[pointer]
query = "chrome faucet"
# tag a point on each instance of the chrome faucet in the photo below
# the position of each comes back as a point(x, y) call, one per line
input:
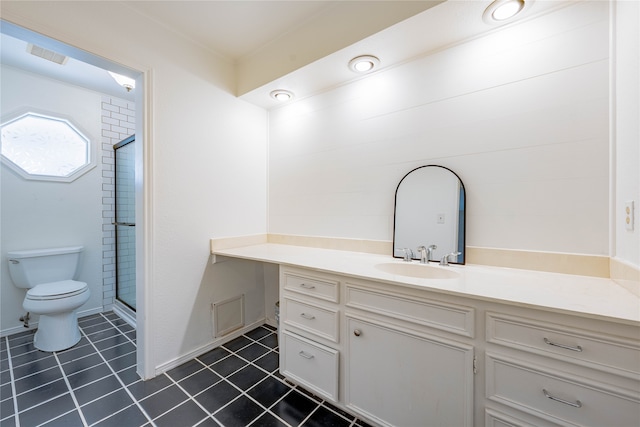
point(430, 250)
point(426, 253)
point(408, 254)
point(445, 259)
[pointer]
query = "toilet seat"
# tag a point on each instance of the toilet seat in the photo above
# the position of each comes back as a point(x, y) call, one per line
point(56, 290)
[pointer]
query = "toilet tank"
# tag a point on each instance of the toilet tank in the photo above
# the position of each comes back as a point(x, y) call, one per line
point(33, 267)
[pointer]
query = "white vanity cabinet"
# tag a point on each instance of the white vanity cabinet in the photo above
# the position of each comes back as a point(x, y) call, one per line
point(561, 372)
point(387, 354)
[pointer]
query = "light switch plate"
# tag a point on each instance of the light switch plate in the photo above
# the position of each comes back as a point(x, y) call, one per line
point(628, 215)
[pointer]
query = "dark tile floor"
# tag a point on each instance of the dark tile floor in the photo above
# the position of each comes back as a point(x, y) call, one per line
point(95, 384)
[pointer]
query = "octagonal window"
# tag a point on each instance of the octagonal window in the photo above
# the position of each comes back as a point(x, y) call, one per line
point(43, 147)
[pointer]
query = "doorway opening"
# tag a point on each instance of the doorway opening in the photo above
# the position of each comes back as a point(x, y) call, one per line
point(88, 70)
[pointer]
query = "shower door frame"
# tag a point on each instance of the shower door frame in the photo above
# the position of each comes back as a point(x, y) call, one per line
point(125, 309)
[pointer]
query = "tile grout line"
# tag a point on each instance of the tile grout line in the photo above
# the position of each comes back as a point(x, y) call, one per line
point(120, 331)
point(108, 348)
point(226, 380)
point(243, 392)
point(320, 404)
point(269, 374)
point(13, 384)
point(246, 362)
point(119, 380)
point(291, 389)
point(311, 413)
point(190, 397)
point(73, 395)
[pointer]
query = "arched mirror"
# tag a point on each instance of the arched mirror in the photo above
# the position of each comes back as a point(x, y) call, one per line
point(430, 211)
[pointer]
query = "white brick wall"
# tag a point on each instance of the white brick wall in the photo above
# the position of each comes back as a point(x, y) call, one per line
point(118, 123)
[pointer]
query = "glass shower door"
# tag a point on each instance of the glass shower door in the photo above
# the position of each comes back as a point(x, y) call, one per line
point(125, 222)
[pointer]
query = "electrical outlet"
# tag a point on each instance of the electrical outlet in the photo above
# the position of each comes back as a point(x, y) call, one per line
point(628, 215)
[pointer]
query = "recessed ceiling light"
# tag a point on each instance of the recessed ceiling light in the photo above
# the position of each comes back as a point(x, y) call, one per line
point(503, 10)
point(364, 63)
point(281, 95)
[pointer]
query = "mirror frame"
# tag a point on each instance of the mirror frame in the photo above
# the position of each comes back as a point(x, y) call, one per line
point(464, 214)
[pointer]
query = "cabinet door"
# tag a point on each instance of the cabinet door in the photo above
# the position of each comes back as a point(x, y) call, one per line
point(404, 379)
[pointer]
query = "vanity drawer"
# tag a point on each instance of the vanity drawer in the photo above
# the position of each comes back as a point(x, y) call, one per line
point(495, 418)
point(309, 285)
point(557, 397)
point(311, 318)
point(313, 365)
point(605, 353)
point(452, 318)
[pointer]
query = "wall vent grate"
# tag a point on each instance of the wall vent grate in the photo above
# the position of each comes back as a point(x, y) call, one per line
point(49, 55)
point(228, 315)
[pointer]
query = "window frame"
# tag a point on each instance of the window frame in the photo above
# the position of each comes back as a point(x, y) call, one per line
point(77, 173)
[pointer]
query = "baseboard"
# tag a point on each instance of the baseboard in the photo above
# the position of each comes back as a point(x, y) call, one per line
point(201, 350)
point(17, 329)
point(34, 324)
point(626, 275)
point(379, 247)
point(271, 322)
point(90, 312)
point(221, 243)
point(553, 262)
point(125, 313)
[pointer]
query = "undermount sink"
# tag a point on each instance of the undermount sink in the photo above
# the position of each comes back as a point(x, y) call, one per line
point(420, 271)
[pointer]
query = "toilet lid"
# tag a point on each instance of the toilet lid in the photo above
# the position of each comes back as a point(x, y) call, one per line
point(56, 290)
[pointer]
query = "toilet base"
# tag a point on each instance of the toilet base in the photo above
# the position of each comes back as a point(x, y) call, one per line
point(57, 332)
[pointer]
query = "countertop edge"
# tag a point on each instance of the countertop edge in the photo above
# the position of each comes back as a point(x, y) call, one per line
point(474, 284)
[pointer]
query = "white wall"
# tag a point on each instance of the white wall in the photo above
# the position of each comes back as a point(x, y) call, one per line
point(208, 159)
point(627, 129)
point(521, 115)
point(42, 214)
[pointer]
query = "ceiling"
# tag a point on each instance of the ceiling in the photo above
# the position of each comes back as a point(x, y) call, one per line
point(311, 40)
point(233, 29)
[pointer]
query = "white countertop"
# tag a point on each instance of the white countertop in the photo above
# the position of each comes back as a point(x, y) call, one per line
point(582, 295)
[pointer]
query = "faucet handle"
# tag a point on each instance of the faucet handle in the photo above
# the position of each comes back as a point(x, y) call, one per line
point(445, 259)
point(408, 254)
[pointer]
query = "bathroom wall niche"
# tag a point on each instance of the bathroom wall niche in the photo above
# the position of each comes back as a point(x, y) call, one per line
point(430, 210)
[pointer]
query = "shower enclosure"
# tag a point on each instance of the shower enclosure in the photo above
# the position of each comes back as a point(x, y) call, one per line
point(125, 215)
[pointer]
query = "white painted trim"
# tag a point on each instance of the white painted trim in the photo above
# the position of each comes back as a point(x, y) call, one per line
point(16, 329)
point(201, 350)
point(125, 313)
point(612, 129)
point(34, 325)
point(144, 230)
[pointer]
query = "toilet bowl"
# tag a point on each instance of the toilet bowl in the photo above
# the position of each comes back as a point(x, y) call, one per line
point(53, 294)
point(56, 303)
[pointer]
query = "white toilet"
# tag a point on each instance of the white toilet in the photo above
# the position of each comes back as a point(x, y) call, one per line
point(53, 294)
